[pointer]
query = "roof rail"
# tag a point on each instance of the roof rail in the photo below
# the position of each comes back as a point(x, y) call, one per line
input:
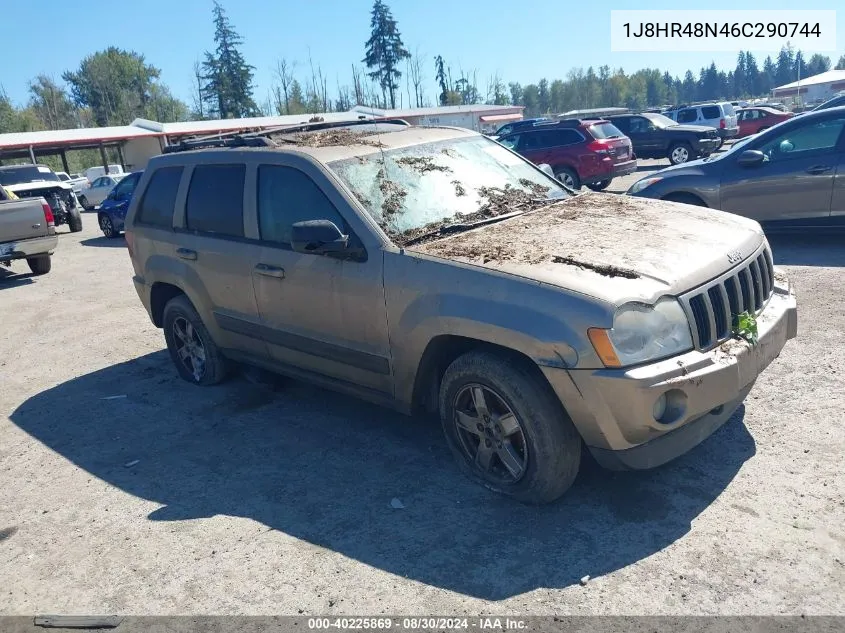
point(260, 137)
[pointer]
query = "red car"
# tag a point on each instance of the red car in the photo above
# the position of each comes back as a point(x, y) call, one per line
point(756, 119)
point(588, 152)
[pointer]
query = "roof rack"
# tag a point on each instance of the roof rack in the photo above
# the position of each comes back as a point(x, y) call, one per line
point(260, 137)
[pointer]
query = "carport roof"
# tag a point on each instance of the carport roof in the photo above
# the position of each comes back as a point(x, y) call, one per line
point(75, 137)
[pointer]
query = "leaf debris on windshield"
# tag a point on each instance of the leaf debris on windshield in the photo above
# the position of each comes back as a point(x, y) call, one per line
point(394, 197)
point(330, 138)
point(459, 188)
point(422, 164)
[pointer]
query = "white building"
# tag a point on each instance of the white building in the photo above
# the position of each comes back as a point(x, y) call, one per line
point(813, 89)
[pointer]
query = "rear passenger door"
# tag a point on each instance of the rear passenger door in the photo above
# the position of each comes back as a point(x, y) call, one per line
point(219, 260)
point(320, 314)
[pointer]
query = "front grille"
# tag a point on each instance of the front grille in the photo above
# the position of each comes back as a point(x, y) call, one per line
point(713, 308)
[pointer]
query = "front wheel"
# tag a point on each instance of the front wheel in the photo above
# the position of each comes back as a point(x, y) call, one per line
point(680, 153)
point(599, 186)
point(196, 356)
point(568, 177)
point(107, 226)
point(721, 142)
point(40, 265)
point(506, 428)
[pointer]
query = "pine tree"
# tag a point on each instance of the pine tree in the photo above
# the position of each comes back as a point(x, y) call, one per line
point(384, 51)
point(740, 76)
point(752, 76)
point(769, 74)
point(840, 65)
point(785, 66)
point(228, 89)
point(440, 73)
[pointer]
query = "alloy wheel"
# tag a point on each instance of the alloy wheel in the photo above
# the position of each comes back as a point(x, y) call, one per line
point(490, 435)
point(189, 347)
point(680, 155)
point(106, 226)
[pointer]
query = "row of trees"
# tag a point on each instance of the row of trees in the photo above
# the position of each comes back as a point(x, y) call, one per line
point(114, 86)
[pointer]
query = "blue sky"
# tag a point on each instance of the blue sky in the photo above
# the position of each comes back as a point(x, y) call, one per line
point(520, 42)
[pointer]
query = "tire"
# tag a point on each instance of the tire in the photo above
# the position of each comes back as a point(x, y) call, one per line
point(680, 153)
point(719, 146)
point(599, 186)
point(545, 447)
point(107, 226)
point(40, 265)
point(83, 202)
point(685, 198)
point(568, 177)
point(204, 366)
point(74, 221)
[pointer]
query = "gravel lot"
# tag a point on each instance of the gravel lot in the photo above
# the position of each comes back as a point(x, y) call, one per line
point(249, 499)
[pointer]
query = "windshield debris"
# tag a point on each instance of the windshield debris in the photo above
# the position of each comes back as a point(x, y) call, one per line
point(394, 196)
point(330, 138)
point(459, 188)
point(422, 164)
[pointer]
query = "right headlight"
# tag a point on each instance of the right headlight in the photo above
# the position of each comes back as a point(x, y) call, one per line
point(643, 333)
point(643, 183)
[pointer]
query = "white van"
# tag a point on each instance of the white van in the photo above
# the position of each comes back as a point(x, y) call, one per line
point(721, 116)
point(92, 173)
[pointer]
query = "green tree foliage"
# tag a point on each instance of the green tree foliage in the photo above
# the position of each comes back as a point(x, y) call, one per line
point(51, 104)
point(384, 51)
point(840, 65)
point(115, 84)
point(818, 64)
point(228, 89)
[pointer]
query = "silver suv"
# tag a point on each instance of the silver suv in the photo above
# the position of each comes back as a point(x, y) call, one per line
point(432, 269)
point(720, 116)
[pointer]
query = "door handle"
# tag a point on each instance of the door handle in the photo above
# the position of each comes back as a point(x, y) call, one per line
point(818, 169)
point(186, 253)
point(270, 271)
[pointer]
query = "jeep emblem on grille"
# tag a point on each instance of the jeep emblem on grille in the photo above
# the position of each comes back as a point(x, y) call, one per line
point(734, 257)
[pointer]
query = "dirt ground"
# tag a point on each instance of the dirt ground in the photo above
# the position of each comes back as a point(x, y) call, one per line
point(126, 490)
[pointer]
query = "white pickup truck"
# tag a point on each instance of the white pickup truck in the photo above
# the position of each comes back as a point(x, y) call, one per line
point(27, 231)
point(76, 181)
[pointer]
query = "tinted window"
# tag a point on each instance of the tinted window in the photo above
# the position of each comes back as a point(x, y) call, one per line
point(808, 140)
point(510, 142)
point(159, 198)
point(711, 112)
point(505, 129)
point(216, 200)
point(126, 186)
point(605, 130)
point(640, 125)
point(687, 116)
point(286, 195)
point(626, 124)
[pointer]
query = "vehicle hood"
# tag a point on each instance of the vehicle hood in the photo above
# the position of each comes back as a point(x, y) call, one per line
point(612, 247)
point(36, 186)
point(700, 129)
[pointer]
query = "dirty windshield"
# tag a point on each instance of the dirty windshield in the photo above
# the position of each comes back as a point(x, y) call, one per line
point(26, 173)
point(414, 190)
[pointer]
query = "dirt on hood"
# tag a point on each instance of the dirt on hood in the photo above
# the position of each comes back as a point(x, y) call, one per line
point(606, 236)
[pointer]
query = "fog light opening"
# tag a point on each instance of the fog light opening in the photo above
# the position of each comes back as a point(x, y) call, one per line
point(658, 410)
point(671, 406)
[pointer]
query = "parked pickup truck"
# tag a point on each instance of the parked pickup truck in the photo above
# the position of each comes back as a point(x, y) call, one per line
point(27, 231)
point(74, 180)
point(39, 181)
point(658, 136)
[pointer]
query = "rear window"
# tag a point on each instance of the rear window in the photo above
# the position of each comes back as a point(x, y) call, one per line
point(604, 130)
point(160, 197)
point(711, 112)
point(216, 200)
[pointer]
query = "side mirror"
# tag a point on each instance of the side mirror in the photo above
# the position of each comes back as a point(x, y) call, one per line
point(546, 169)
point(318, 237)
point(751, 158)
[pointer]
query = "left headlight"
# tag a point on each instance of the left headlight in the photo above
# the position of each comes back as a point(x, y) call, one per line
point(643, 183)
point(642, 333)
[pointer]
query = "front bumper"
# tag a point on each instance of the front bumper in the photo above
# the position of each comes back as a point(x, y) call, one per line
point(29, 248)
point(613, 408)
point(707, 146)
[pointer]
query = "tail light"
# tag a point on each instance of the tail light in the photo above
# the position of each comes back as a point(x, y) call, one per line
point(722, 123)
point(598, 146)
point(48, 214)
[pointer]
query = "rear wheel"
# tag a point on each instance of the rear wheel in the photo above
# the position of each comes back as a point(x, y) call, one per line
point(568, 177)
point(196, 356)
point(74, 220)
point(599, 186)
point(83, 202)
point(680, 153)
point(506, 428)
point(40, 265)
point(719, 145)
point(106, 226)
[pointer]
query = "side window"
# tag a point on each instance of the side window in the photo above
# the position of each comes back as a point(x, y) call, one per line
point(626, 124)
point(560, 138)
point(98, 183)
point(687, 116)
point(125, 186)
point(530, 140)
point(510, 142)
point(156, 207)
point(808, 140)
point(711, 112)
point(216, 200)
point(285, 196)
point(762, 114)
point(639, 125)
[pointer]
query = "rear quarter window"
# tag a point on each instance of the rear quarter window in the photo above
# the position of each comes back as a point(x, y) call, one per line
point(711, 112)
point(216, 200)
point(729, 109)
point(604, 130)
point(156, 208)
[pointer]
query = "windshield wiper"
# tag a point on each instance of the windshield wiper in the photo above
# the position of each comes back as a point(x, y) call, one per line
point(458, 227)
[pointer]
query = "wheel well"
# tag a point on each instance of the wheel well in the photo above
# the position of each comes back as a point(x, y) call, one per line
point(440, 353)
point(685, 197)
point(160, 294)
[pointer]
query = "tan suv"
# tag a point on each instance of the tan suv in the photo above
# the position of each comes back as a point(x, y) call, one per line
point(434, 269)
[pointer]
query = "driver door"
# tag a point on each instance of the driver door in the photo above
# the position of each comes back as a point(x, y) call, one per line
point(796, 180)
point(321, 314)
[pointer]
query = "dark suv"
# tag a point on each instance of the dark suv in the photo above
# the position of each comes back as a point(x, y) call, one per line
point(588, 152)
point(658, 136)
